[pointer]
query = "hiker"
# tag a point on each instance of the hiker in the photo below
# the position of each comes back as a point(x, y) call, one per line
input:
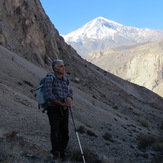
point(59, 95)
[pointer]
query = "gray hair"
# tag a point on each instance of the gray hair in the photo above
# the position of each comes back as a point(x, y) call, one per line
point(55, 62)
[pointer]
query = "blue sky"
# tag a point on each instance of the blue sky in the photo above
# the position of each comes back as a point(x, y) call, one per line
point(69, 15)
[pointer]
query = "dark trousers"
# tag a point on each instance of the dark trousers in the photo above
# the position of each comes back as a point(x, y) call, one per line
point(59, 129)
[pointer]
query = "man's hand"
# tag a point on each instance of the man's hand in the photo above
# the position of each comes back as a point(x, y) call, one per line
point(68, 102)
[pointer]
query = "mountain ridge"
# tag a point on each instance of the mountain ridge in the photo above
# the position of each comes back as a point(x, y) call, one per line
point(101, 33)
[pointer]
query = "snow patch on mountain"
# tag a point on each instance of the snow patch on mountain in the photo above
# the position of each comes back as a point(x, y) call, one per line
point(101, 34)
point(101, 28)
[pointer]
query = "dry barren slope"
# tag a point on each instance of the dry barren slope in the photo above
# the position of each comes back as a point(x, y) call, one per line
point(105, 106)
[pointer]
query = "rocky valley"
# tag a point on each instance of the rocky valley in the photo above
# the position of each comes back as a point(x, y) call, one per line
point(117, 121)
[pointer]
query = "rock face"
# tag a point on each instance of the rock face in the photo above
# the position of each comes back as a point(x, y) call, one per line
point(142, 65)
point(112, 115)
point(31, 35)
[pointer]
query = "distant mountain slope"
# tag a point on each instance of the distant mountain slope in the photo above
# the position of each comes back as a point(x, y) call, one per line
point(142, 65)
point(101, 33)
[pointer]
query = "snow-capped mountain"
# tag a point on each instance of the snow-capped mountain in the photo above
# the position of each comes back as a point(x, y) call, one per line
point(101, 33)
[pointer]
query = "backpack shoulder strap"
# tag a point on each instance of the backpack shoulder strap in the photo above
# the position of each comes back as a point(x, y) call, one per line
point(52, 75)
point(67, 80)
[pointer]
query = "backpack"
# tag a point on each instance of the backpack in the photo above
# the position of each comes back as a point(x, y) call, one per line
point(42, 104)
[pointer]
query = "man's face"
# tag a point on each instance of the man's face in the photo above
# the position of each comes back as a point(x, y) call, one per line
point(60, 68)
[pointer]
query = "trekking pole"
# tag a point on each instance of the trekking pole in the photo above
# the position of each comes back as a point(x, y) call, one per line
point(77, 136)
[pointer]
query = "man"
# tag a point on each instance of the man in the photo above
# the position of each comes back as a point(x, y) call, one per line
point(58, 94)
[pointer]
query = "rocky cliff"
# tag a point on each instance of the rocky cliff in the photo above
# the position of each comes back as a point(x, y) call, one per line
point(117, 121)
point(28, 31)
point(142, 65)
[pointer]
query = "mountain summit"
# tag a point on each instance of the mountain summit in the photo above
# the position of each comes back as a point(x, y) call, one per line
point(101, 33)
point(99, 28)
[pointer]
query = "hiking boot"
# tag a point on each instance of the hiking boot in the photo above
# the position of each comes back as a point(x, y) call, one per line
point(62, 154)
point(56, 155)
point(52, 161)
